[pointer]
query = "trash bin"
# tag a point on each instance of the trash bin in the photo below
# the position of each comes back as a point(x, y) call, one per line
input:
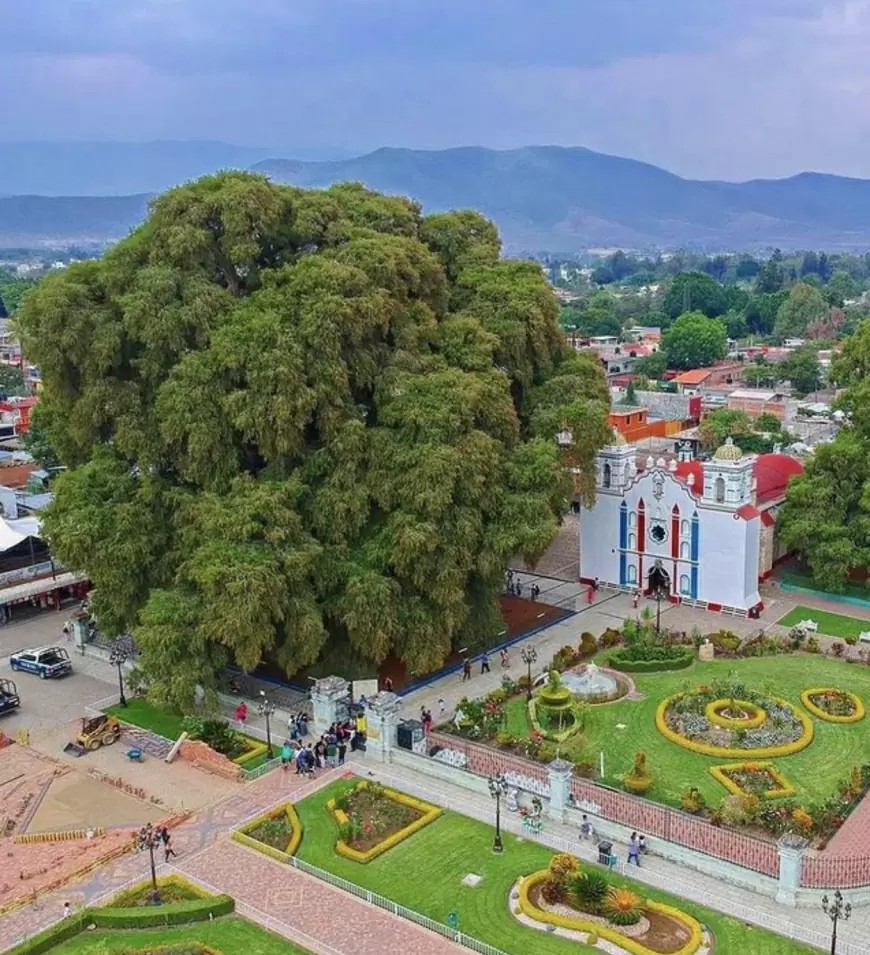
point(605, 853)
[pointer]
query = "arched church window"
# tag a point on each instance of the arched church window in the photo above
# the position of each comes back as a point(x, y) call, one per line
point(684, 529)
point(684, 550)
point(719, 487)
point(632, 519)
point(608, 475)
point(685, 585)
point(632, 541)
point(632, 574)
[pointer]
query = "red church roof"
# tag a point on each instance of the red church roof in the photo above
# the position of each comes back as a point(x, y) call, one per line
point(772, 474)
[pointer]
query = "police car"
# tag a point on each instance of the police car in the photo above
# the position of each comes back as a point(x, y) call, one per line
point(46, 661)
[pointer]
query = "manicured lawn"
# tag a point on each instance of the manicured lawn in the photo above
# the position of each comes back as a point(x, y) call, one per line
point(830, 624)
point(620, 729)
point(143, 713)
point(230, 936)
point(425, 873)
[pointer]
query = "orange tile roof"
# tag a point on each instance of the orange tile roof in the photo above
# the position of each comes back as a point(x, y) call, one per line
point(695, 377)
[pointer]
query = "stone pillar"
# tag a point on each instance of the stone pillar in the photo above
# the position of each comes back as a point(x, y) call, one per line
point(560, 774)
point(791, 856)
point(327, 696)
point(382, 719)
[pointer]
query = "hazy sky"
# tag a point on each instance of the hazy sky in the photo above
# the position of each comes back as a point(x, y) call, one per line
point(708, 88)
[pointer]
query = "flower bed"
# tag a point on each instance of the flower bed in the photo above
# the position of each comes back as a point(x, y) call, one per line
point(681, 719)
point(276, 833)
point(832, 705)
point(173, 890)
point(735, 714)
point(753, 779)
point(532, 890)
point(372, 819)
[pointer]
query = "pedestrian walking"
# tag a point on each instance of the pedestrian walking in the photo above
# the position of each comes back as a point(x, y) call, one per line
point(505, 659)
point(641, 844)
point(67, 910)
point(168, 851)
point(635, 599)
point(484, 663)
point(590, 595)
point(634, 850)
point(287, 752)
point(388, 685)
point(466, 669)
point(585, 827)
point(442, 707)
point(595, 585)
point(241, 713)
point(342, 752)
point(519, 589)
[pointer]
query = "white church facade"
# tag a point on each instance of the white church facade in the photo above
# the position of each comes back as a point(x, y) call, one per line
point(703, 531)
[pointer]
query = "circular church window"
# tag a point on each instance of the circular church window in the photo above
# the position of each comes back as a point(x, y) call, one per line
point(658, 533)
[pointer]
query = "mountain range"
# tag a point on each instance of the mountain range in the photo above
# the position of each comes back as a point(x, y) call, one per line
point(543, 198)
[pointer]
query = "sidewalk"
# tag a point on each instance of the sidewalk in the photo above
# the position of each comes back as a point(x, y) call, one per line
point(807, 925)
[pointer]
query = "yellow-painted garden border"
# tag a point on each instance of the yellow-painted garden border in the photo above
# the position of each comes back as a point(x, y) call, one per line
point(430, 814)
point(782, 790)
point(766, 752)
point(579, 924)
point(820, 714)
point(241, 834)
point(710, 711)
point(252, 752)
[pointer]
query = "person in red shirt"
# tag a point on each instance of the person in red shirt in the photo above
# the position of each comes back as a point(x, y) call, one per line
point(242, 713)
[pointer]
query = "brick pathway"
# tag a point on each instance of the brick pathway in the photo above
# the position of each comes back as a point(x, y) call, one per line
point(323, 912)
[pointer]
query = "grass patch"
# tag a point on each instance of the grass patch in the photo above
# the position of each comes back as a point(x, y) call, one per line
point(452, 847)
point(830, 624)
point(148, 716)
point(231, 936)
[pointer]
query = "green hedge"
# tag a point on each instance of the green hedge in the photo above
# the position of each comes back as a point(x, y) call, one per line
point(182, 913)
point(620, 660)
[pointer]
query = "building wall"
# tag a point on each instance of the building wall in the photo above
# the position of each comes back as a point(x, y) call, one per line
point(755, 408)
point(709, 553)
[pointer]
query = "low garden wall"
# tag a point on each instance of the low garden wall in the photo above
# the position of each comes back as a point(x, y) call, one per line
point(202, 756)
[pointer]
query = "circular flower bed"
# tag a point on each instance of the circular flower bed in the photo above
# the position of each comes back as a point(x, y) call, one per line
point(735, 714)
point(683, 720)
point(832, 705)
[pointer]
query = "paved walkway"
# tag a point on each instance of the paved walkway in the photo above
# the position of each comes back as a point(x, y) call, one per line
point(311, 906)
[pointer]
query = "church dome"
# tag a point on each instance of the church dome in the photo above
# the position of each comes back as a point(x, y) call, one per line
point(728, 452)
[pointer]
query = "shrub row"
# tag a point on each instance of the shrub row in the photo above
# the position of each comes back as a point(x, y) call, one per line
point(782, 789)
point(200, 910)
point(622, 660)
point(579, 924)
point(430, 814)
point(241, 835)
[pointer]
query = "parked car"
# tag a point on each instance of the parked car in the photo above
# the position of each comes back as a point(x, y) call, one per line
point(48, 662)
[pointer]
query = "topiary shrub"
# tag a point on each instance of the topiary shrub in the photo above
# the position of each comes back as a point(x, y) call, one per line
point(589, 890)
point(552, 892)
point(562, 866)
point(588, 645)
point(639, 779)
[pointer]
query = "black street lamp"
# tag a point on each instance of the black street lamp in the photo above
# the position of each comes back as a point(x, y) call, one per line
point(529, 655)
point(836, 910)
point(498, 787)
point(118, 656)
point(266, 708)
point(149, 838)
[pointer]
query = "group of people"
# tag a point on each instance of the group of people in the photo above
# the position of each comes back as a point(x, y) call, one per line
point(330, 750)
point(514, 586)
point(636, 844)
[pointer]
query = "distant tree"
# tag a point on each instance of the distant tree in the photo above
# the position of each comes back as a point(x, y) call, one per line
point(630, 394)
point(761, 310)
point(809, 264)
point(736, 325)
point(770, 278)
point(768, 423)
point(651, 366)
point(12, 292)
point(829, 328)
point(695, 341)
point(802, 369)
point(694, 292)
point(721, 424)
point(840, 287)
point(717, 267)
point(746, 269)
point(760, 375)
point(12, 383)
point(803, 306)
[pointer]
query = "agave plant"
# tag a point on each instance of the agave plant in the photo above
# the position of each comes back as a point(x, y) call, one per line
point(589, 890)
point(622, 906)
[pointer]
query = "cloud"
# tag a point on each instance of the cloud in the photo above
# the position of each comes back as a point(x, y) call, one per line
point(728, 89)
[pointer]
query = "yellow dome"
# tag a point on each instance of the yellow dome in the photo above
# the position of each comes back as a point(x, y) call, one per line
point(728, 452)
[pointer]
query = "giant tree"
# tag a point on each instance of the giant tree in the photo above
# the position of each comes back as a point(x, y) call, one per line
point(296, 418)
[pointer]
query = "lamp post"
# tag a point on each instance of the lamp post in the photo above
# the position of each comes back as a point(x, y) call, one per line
point(265, 707)
point(529, 655)
point(498, 787)
point(149, 838)
point(118, 657)
point(836, 910)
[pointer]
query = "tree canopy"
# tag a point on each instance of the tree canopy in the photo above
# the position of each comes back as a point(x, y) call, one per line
point(826, 516)
point(293, 418)
point(694, 292)
point(804, 305)
point(695, 341)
